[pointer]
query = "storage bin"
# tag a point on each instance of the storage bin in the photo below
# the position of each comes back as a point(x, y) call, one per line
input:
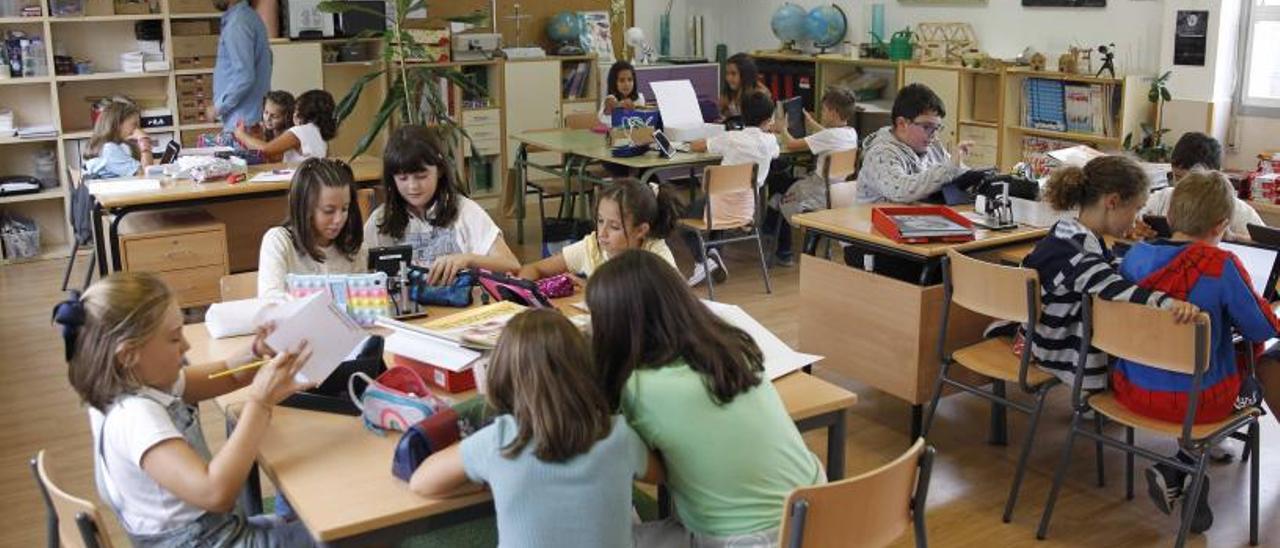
point(20, 236)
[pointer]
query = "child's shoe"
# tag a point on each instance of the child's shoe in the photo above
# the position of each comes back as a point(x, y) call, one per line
point(1164, 486)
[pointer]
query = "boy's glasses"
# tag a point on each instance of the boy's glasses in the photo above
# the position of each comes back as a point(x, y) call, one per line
point(929, 129)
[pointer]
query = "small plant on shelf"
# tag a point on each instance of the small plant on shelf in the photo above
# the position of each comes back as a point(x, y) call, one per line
point(1151, 146)
point(415, 95)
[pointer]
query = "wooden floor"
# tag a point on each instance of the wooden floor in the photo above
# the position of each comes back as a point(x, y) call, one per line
point(38, 410)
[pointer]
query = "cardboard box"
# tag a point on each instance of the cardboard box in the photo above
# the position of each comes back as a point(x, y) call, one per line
point(193, 62)
point(451, 381)
point(192, 6)
point(194, 46)
point(196, 27)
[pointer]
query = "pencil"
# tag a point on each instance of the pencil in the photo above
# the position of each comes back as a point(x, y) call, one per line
point(245, 367)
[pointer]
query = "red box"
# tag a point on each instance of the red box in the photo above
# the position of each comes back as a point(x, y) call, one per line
point(882, 220)
point(450, 381)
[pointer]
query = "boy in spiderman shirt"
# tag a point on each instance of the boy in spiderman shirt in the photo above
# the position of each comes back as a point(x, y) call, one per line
point(1191, 267)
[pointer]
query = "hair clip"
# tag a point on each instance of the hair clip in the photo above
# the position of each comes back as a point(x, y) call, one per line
point(70, 315)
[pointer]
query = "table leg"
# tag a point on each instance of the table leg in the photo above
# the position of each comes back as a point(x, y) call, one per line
point(664, 502)
point(917, 420)
point(251, 494)
point(999, 434)
point(113, 238)
point(522, 173)
point(836, 447)
point(99, 242)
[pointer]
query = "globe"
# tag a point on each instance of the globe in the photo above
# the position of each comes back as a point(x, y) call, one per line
point(826, 25)
point(788, 23)
point(564, 28)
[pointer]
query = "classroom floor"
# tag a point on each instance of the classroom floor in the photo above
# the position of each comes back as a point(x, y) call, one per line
point(38, 410)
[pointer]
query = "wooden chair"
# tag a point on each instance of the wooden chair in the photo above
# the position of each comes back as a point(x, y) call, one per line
point(543, 188)
point(1152, 337)
point(581, 120)
point(871, 509)
point(1004, 293)
point(72, 521)
point(234, 287)
point(718, 181)
point(836, 168)
point(364, 200)
point(81, 204)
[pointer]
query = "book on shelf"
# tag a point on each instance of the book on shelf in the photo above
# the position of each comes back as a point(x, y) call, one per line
point(1073, 107)
point(575, 81)
point(37, 132)
point(1078, 108)
point(1046, 108)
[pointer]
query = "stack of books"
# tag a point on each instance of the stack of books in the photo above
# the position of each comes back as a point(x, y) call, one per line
point(37, 132)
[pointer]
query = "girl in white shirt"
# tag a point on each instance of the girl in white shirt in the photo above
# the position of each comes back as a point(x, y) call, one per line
point(314, 126)
point(322, 234)
point(426, 210)
point(622, 92)
point(124, 347)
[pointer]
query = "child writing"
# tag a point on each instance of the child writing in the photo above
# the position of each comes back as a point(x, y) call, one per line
point(425, 209)
point(753, 144)
point(124, 346)
point(833, 134)
point(313, 126)
point(1197, 150)
point(741, 78)
point(629, 215)
point(693, 387)
point(1074, 263)
point(623, 92)
point(322, 232)
point(119, 147)
point(560, 464)
point(1190, 266)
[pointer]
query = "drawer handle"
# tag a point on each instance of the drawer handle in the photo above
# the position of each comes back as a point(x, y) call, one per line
point(174, 255)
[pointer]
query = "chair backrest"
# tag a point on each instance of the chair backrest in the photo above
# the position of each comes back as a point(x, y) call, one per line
point(1002, 292)
point(840, 164)
point(581, 120)
point(364, 200)
point(234, 287)
point(843, 194)
point(78, 521)
point(1150, 336)
point(724, 179)
point(871, 509)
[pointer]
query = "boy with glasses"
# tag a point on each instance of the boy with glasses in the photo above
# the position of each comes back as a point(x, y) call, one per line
point(905, 162)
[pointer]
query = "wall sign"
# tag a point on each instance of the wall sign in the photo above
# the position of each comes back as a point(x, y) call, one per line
point(1190, 36)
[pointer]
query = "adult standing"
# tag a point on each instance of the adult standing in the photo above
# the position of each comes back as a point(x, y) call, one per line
point(242, 73)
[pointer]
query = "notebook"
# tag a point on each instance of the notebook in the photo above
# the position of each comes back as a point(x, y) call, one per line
point(332, 336)
point(1261, 262)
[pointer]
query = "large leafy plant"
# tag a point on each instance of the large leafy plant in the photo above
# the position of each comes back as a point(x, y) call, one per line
point(1151, 146)
point(414, 95)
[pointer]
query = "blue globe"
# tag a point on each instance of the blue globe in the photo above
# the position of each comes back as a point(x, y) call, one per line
point(826, 25)
point(788, 23)
point(564, 27)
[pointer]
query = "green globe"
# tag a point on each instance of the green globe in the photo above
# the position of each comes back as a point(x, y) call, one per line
point(564, 28)
point(826, 26)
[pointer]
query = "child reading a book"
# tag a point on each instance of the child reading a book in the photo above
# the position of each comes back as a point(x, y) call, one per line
point(694, 388)
point(1190, 266)
point(322, 234)
point(629, 215)
point(124, 348)
point(558, 460)
point(425, 209)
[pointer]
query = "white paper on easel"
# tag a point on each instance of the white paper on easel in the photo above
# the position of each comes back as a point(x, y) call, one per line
point(779, 359)
point(331, 335)
point(678, 105)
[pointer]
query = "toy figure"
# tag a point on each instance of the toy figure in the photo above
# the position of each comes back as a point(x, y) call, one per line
point(1108, 60)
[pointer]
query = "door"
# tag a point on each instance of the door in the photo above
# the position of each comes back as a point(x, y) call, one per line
point(533, 102)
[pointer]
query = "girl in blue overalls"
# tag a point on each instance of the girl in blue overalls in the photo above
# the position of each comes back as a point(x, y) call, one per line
point(125, 347)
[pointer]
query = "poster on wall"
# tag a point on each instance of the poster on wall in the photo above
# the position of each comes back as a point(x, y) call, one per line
point(1190, 36)
point(1065, 3)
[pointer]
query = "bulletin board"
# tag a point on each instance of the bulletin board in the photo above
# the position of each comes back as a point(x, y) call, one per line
point(532, 29)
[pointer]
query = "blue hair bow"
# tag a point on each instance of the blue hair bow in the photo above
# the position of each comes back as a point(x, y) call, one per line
point(70, 315)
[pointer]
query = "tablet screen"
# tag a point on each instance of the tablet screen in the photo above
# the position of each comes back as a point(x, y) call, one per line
point(1260, 262)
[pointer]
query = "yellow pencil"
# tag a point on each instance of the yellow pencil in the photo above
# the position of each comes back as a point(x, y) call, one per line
point(245, 367)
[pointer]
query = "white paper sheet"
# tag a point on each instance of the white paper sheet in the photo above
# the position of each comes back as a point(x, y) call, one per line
point(779, 359)
point(273, 176)
point(109, 187)
point(677, 103)
point(203, 151)
point(332, 336)
point(421, 344)
point(1258, 262)
point(233, 318)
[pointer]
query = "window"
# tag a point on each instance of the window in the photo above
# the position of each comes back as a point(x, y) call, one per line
point(1262, 61)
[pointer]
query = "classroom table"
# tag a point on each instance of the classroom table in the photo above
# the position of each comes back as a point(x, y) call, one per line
point(582, 147)
point(881, 328)
point(337, 475)
point(188, 193)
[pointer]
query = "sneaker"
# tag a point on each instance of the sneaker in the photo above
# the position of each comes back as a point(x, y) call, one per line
point(784, 260)
point(699, 274)
point(1203, 518)
point(718, 269)
point(1164, 486)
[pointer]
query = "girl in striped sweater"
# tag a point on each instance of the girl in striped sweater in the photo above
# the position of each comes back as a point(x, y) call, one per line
point(1074, 262)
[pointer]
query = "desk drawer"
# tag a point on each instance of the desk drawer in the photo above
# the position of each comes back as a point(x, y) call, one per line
point(489, 147)
point(486, 117)
point(194, 286)
point(175, 251)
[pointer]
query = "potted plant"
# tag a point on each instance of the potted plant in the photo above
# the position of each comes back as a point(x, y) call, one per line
point(414, 95)
point(1151, 147)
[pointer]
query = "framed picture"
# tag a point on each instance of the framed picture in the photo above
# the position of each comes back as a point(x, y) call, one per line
point(1065, 3)
point(1190, 35)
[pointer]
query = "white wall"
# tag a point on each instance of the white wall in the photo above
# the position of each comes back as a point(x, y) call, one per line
point(1255, 135)
point(1213, 81)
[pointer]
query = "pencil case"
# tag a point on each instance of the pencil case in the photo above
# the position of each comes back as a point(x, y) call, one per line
point(422, 439)
point(395, 400)
point(457, 294)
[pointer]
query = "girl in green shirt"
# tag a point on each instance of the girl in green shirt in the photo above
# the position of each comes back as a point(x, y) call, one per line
point(693, 387)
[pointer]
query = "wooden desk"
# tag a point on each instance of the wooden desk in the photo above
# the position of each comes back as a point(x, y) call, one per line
point(882, 328)
point(188, 193)
point(337, 475)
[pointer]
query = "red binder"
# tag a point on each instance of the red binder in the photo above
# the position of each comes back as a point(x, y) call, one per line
point(882, 218)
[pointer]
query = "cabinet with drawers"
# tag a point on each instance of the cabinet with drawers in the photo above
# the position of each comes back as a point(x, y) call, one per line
point(185, 248)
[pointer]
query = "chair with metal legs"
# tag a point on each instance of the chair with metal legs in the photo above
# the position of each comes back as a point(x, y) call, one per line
point(721, 181)
point(1152, 337)
point(1005, 293)
point(72, 521)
